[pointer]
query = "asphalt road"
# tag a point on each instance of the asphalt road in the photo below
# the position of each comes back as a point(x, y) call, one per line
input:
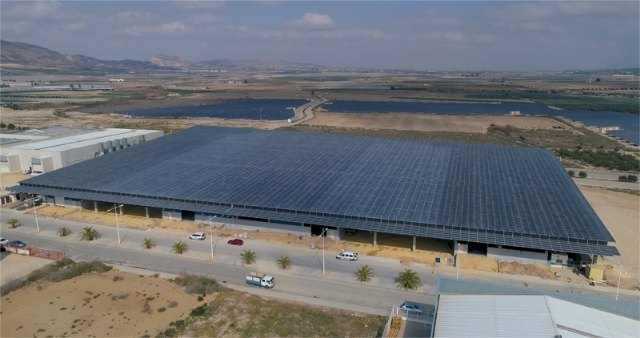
point(303, 282)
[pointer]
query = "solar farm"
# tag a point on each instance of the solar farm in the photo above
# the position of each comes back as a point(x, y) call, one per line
point(517, 197)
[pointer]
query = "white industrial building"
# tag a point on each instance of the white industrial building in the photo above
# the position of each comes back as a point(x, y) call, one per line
point(38, 151)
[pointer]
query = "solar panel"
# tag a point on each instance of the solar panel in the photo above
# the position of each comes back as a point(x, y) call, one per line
point(496, 193)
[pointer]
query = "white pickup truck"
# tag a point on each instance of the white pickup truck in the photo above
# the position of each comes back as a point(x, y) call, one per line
point(260, 279)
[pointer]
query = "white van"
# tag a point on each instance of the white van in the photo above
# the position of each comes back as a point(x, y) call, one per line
point(347, 256)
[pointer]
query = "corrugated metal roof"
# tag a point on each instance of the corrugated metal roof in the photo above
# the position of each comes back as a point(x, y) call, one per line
point(493, 316)
point(75, 139)
point(574, 320)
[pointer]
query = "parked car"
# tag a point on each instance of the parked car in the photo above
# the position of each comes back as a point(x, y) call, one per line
point(411, 308)
point(198, 235)
point(16, 244)
point(236, 241)
point(347, 256)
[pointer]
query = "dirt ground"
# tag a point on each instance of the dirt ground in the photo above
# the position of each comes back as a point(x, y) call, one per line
point(11, 179)
point(13, 266)
point(44, 118)
point(67, 308)
point(424, 122)
point(620, 212)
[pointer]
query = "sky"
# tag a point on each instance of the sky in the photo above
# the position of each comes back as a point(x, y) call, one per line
point(420, 35)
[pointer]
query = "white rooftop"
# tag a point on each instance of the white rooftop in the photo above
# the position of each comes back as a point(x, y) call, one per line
point(526, 316)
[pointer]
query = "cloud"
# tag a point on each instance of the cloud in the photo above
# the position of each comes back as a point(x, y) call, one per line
point(313, 21)
point(131, 17)
point(198, 5)
point(170, 28)
point(34, 10)
point(205, 19)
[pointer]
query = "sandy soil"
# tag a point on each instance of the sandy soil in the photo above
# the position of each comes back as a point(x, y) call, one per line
point(44, 118)
point(11, 179)
point(424, 122)
point(620, 212)
point(94, 305)
point(13, 266)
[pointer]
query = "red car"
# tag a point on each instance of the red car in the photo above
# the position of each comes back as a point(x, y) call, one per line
point(236, 241)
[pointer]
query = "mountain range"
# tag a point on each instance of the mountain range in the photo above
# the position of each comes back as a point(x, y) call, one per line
point(20, 56)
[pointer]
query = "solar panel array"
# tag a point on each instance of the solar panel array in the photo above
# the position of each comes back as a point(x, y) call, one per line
point(481, 193)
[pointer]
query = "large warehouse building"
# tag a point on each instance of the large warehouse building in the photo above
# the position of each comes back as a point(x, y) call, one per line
point(43, 150)
point(498, 200)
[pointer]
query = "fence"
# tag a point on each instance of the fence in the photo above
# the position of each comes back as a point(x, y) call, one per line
point(36, 252)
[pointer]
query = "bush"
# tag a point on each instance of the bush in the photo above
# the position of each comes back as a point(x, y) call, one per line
point(582, 174)
point(571, 173)
point(628, 178)
point(13, 223)
point(64, 232)
point(601, 158)
point(197, 284)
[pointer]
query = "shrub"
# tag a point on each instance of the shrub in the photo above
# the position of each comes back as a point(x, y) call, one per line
point(64, 232)
point(582, 174)
point(408, 280)
point(248, 256)
point(284, 262)
point(571, 173)
point(13, 223)
point(628, 178)
point(364, 273)
point(180, 247)
point(197, 285)
point(148, 243)
point(89, 234)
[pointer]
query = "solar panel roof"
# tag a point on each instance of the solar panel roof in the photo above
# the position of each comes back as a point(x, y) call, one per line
point(472, 192)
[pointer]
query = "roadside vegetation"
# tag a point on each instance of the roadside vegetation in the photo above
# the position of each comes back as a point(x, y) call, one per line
point(13, 223)
point(60, 270)
point(64, 232)
point(284, 263)
point(89, 234)
point(408, 280)
point(235, 314)
point(248, 256)
point(180, 247)
point(364, 273)
point(606, 159)
point(148, 243)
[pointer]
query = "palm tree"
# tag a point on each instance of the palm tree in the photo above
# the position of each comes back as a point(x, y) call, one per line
point(180, 247)
point(89, 234)
point(13, 223)
point(408, 280)
point(248, 256)
point(364, 273)
point(284, 262)
point(64, 232)
point(148, 243)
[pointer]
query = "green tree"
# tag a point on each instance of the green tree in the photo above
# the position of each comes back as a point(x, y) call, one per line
point(248, 256)
point(180, 247)
point(364, 273)
point(408, 280)
point(571, 173)
point(632, 178)
point(11, 126)
point(582, 174)
point(148, 243)
point(284, 262)
point(64, 232)
point(13, 223)
point(89, 234)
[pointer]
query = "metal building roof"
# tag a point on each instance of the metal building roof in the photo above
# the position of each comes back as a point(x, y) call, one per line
point(482, 193)
point(525, 316)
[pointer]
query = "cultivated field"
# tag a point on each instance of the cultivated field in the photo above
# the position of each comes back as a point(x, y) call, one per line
point(427, 122)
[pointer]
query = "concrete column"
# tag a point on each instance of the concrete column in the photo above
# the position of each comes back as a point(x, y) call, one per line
point(95, 206)
point(146, 212)
point(120, 210)
point(375, 238)
point(413, 248)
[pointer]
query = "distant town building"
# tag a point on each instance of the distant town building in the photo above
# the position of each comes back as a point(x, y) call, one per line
point(116, 80)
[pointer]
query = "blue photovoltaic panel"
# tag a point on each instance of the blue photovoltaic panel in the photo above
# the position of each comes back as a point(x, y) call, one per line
point(491, 194)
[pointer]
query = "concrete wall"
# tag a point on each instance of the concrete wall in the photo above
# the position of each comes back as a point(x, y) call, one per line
point(72, 203)
point(520, 256)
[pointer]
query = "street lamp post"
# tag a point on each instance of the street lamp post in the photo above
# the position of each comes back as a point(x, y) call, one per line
point(211, 233)
point(619, 276)
point(115, 211)
point(35, 214)
point(323, 234)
